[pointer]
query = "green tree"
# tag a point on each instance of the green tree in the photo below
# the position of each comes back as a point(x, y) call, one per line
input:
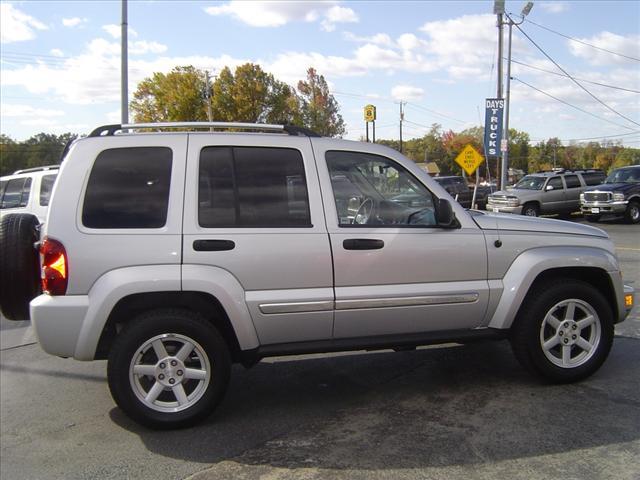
point(39, 150)
point(320, 110)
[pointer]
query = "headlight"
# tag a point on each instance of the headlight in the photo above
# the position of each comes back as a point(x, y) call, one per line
point(513, 201)
point(582, 197)
point(618, 197)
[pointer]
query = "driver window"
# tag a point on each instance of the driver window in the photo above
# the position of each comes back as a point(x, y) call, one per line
point(376, 191)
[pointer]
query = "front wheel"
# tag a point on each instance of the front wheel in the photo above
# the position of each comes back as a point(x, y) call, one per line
point(564, 331)
point(530, 210)
point(632, 214)
point(168, 368)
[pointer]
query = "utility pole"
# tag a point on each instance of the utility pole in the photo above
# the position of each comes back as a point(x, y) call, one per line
point(208, 96)
point(498, 9)
point(124, 89)
point(401, 120)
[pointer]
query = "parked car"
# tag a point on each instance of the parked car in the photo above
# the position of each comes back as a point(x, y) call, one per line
point(619, 195)
point(28, 191)
point(459, 189)
point(174, 255)
point(545, 193)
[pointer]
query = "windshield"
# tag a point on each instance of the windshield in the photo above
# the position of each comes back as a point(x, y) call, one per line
point(624, 175)
point(530, 183)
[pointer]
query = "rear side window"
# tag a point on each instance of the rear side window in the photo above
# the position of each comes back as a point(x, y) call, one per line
point(128, 188)
point(593, 178)
point(252, 187)
point(16, 193)
point(46, 185)
point(572, 181)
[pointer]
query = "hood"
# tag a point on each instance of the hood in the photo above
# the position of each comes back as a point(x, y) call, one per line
point(507, 221)
point(517, 192)
point(614, 187)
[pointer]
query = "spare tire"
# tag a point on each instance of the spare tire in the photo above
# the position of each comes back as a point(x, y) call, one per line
point(19, 264)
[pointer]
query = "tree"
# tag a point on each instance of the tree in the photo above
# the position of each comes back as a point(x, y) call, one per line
point(320, 111)
point(39, 150)
point(180, 95)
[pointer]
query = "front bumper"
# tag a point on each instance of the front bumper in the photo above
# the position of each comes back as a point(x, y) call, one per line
point(493, 207)
point(629, 300)
point(598, 208)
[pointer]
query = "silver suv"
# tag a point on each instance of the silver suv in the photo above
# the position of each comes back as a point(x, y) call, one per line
point(174, 255)
point(28, 191)
point(552, 192)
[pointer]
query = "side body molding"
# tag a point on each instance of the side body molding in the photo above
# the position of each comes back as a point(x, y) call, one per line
point(226, 288)
point(527, 266)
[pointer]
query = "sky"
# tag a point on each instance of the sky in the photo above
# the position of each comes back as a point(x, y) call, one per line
point(60, 61)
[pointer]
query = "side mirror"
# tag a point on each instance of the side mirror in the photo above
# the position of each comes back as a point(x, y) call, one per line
point(548, 188)
point(444, 214)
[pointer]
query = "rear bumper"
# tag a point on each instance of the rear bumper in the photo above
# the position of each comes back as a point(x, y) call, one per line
point(57, 322)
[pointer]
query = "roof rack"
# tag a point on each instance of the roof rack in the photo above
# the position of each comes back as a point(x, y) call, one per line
point(37, 169)
point(108, 130)
point(569, 170)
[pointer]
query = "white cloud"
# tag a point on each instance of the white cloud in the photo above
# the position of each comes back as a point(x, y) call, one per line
point(73, 22)
point(279, 13)
point(15, 110)
point(141, 47)
point(407, 92)
point(17, 26)
point(627, 45)
point(554, 7)
point(56, 52)
point(116, 31)
point(377, 39)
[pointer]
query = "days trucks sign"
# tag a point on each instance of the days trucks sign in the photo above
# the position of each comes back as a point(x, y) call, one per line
point(494, 109)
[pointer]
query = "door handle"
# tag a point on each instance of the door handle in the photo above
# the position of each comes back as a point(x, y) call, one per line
point(362, 244)
point(213, 245)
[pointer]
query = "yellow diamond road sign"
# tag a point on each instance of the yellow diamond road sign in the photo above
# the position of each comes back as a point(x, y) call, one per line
point(469, 159)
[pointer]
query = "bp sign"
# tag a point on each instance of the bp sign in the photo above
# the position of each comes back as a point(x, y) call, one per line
point(494, 109)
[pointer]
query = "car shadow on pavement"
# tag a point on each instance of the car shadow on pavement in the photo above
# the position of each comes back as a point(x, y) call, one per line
point(430, 407)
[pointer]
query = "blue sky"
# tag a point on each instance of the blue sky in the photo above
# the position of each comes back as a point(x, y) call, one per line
point(61, 60)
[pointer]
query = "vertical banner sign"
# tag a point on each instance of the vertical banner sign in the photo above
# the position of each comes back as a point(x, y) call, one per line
point(494, 110)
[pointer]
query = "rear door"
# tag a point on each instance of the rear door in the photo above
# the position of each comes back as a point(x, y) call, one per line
point(253, 208)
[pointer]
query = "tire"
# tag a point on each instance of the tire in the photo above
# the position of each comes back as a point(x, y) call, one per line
point(165, 374)
point(592, 218)
point(530, 210)
point(591, 324)
point(19, 264)
point(632, 213)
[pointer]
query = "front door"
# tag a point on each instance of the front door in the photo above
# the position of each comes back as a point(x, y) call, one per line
point(395, 270)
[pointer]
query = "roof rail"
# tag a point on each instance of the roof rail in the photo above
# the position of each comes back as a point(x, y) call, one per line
point(37, 169)
point(108, 130)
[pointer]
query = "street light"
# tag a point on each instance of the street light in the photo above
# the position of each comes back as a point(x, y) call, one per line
point(505, 154)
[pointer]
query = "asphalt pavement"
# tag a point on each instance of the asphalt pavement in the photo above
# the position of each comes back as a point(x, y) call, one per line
point(441, 412)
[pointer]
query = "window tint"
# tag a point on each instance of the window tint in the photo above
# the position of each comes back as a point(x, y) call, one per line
point(593, 178)
point(3, 185)
point(572, 181)
point(556, 183)
point(16, 193)
point(374, 190)
point(252, 187)
point(46, 185)
point(128, 188)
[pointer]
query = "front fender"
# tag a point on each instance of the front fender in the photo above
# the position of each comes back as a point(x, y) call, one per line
point(527, 266)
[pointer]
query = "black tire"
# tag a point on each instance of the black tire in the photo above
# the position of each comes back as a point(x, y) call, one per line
point(19, 264)
point(531, 210)
point(592, 218)
point(632, 213)
point(526, 338)
point(176, 326)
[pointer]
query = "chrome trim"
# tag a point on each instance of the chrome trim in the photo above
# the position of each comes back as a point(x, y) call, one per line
point(296, 307)
point(238, 125)
point(406, 301)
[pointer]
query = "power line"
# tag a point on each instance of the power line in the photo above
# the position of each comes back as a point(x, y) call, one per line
point(573, 79)
point(570, 105)
point(420, 107)
point(582, 41)
point(581, 79)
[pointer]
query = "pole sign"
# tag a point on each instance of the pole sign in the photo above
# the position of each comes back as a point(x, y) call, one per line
point(370, 113)
point(469, 159)
point(494, 110)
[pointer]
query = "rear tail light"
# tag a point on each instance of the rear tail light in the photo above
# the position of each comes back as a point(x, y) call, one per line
point(54, 267)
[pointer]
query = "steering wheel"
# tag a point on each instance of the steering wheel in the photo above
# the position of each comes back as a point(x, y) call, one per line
point(364, 212)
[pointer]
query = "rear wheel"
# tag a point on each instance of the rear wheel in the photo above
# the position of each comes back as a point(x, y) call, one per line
point(19, 264)
point(564, 331)
point(531, 210)
point(632, 213)
point(168, 368)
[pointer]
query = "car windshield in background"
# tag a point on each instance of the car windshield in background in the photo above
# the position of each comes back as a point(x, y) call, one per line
point(530, 183)
point(624, 175)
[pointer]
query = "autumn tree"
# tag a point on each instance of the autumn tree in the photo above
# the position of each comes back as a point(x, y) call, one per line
point(320, 111)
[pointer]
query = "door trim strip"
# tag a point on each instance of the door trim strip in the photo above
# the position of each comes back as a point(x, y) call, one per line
point(407, 301)
point(297, 307)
